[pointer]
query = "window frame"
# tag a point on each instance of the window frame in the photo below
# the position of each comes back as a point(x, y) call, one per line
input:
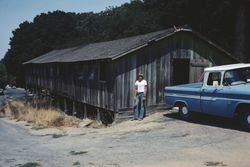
point(209, 73)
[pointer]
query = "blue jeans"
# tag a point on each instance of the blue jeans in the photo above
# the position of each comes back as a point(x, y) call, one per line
point(139, 108)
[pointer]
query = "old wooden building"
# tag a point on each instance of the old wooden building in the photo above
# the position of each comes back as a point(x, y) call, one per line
point(97, 80)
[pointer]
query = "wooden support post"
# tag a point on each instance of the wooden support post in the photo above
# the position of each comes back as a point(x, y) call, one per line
point(36, 101)
point(98, 116)
point(74, 108)
point(65, 105)
point(85, 111)
point(51, 101)
point(36, 91)
point(37, 98)
point(57, 102)
point(115, 116)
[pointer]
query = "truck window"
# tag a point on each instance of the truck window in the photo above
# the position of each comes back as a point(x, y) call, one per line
point(237, 76)
point(214, 76)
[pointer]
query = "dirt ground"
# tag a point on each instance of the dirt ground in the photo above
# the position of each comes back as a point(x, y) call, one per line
point(159, 140)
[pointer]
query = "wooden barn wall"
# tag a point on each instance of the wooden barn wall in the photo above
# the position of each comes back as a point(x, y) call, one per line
point(155, 62)
point(77, 81)
point(73, 80)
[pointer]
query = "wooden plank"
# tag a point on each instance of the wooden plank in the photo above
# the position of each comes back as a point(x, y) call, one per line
point(85, 110)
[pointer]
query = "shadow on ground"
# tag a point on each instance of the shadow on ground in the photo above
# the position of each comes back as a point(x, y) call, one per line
point(203, 119)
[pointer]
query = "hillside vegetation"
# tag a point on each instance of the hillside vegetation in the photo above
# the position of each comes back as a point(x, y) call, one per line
point(224, 22)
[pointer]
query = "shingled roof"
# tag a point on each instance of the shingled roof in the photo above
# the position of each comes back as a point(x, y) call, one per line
point(111, 49)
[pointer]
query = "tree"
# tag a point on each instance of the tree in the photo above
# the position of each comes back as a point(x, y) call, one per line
point(224, 22)
point(32, 39)
point(241, 30)
point(3, 76)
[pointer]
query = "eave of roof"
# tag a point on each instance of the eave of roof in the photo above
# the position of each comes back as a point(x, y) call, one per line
point(115, 49)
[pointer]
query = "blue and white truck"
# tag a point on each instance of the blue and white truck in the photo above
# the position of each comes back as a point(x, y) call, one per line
point(224, 91)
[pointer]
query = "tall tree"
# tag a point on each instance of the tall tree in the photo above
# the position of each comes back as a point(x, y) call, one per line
point(224, 22)
point(31, 39)
point(3, 76)
point(240, 31)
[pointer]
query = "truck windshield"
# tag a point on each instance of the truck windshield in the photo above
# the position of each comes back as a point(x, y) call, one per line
point(237, 76)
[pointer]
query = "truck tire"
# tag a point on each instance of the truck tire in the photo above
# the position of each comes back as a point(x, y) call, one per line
point(184, 112)
point(245, 119)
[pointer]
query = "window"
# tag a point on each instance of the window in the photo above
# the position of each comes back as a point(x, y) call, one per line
point(103, 72)
point(91, 75)
point(80, 76)
point(237, 76)
point(214, 76)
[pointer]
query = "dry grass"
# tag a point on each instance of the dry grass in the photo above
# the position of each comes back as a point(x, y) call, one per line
point(39, 117)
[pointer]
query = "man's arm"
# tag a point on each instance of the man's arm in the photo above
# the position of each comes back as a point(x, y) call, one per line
point(136, 90)
point(145, 90)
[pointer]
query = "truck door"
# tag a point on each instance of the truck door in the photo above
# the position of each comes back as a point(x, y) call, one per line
point(212, 101)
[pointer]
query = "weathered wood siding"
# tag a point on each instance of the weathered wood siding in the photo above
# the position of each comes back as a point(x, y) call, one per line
point(80, 82)
point(155, 62)
point(77, 81)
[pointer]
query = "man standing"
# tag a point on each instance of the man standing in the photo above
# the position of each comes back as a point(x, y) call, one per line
point(140, 98)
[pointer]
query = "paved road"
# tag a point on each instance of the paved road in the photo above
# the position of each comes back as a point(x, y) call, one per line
point(17, 146)
point(159, 140)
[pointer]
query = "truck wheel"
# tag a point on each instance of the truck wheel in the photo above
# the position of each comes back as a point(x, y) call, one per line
point(184, 112)
point(245, 119)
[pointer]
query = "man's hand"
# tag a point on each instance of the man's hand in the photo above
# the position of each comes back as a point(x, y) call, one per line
point(144, 98)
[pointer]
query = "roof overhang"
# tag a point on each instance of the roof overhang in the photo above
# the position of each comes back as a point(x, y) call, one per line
point(130, 50)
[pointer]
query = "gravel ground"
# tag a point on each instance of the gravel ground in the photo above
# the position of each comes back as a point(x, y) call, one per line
point(159, 140)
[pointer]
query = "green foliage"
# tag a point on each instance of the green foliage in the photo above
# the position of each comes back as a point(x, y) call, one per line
point(54, 30)
point(47, 32)
point(3, 76)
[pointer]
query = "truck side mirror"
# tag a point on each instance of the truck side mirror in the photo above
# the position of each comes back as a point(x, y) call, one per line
point(215, 84)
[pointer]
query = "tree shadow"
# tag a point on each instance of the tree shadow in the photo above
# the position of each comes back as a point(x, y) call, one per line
point(208, 120)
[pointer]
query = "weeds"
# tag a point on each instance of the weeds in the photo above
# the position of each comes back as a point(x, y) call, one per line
point(41, 118)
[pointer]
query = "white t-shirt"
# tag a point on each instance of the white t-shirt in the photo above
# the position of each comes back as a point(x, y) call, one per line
point(140, 85)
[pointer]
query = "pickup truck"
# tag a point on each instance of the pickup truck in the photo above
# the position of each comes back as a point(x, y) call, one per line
point(224, 91)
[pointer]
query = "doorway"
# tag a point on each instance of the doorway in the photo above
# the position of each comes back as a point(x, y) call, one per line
point(181, 69)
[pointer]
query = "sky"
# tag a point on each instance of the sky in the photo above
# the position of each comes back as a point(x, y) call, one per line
point(14, 12)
